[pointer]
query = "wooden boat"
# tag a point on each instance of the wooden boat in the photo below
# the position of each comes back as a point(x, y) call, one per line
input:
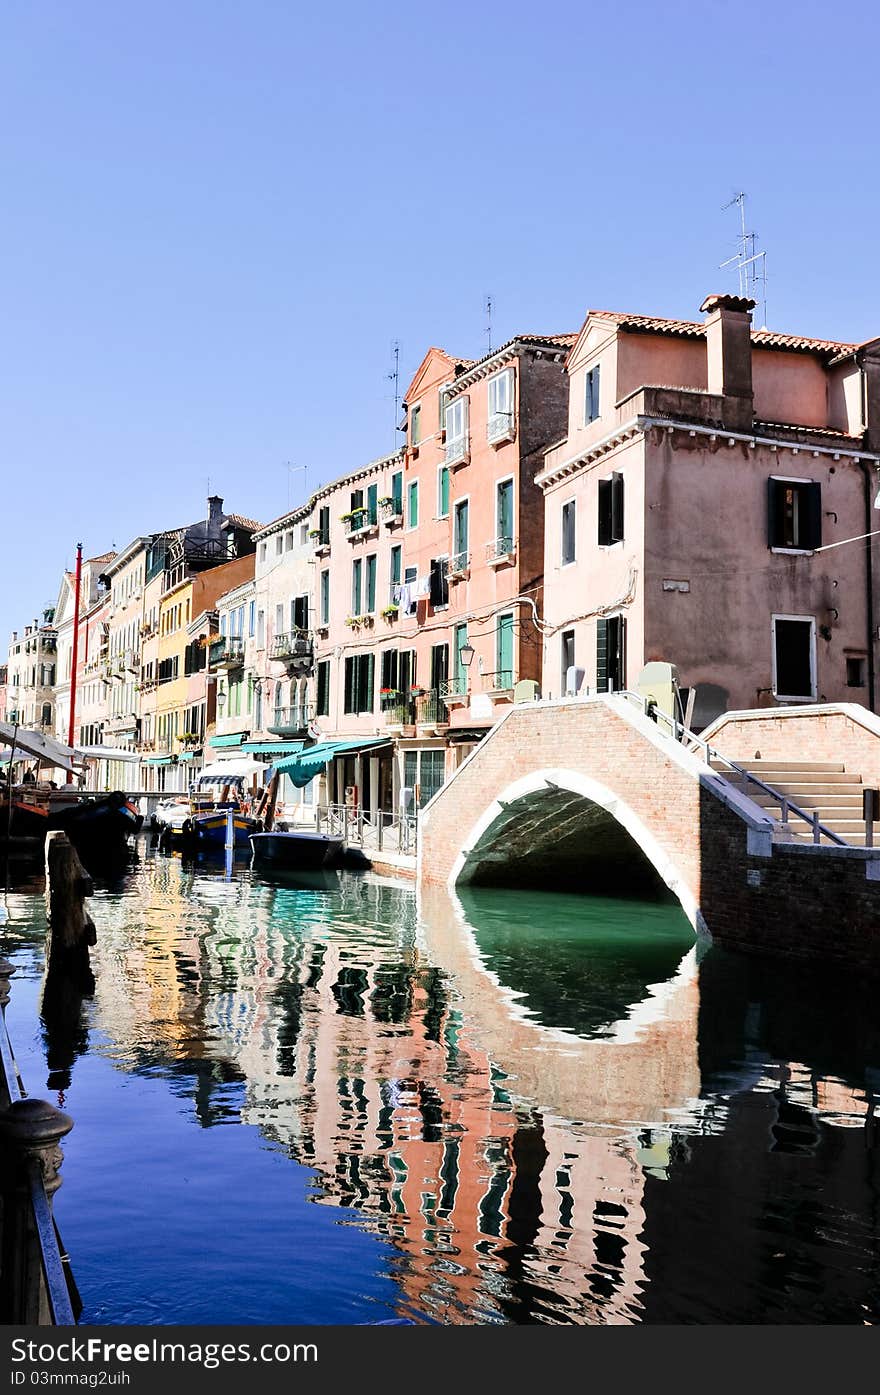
point(209, 829)
point(295, 850)
point(98, 825)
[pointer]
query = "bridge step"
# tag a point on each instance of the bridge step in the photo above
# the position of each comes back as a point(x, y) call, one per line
point(810, 801)
point(761, 766)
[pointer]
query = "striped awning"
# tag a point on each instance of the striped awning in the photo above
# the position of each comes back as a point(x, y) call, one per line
point(302, 768)
point(272, 748)
point(236, 738)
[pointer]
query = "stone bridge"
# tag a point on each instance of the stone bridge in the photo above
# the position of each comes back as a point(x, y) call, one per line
point(592, 795)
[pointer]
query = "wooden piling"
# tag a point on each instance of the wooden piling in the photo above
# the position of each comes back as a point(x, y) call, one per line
point(70, 930)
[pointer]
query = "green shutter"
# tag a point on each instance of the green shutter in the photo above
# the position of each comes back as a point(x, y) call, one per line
point(601, 655)
point(373, 503)
point(444, 491)
point(773, 513)
point(371, 584)
point(349, 703)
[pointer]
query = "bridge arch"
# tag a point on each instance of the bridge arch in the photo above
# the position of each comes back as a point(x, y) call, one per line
point(547, 807)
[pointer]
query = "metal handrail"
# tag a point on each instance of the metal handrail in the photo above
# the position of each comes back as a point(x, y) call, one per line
point(51, 1257)
point(369, 831)
point(682, 733)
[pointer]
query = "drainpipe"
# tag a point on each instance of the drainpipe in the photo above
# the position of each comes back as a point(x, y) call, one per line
point(868, 488)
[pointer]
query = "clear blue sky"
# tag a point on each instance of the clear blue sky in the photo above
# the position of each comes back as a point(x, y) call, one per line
point(216, 218)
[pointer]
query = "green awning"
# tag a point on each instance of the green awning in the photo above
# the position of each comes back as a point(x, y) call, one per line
point(236, 739)
point(158, 760)
point(188, 755)
point(302, 768)
point(272, 748)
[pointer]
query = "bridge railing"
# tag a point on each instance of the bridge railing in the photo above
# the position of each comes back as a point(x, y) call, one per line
point(787, 806)
point(36, 1283)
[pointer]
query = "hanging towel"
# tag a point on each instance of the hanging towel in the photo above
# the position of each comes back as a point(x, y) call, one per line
point(422, 588)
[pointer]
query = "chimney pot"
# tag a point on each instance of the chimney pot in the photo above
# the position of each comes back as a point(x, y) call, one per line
point(729, 357)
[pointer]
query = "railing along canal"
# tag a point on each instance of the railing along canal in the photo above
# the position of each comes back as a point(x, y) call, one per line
point(36, 1284)
point(377, 831)
point(683, 734)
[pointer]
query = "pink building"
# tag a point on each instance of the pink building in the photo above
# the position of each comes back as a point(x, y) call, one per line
point(705, 470)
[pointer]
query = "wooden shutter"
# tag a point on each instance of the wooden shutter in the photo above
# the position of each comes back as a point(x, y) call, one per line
point(773, 513)
point(349, 685)
point(605, 512)
point(617, 508)
point(601, 655)
point(812, 502)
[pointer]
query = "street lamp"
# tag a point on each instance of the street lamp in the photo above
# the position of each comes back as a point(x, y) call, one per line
point(221, 700)
point(466, 654)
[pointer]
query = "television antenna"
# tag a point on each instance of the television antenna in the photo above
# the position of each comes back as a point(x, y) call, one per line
point(488, 309)
point(749, 262)
point(394, 377)
point(291, 470)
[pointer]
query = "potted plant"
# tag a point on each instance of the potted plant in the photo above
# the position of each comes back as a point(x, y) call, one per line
point(390, 612)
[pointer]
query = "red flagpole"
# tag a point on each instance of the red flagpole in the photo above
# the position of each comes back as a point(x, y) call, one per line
point(75, 654)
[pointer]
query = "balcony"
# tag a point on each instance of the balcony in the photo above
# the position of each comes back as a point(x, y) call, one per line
point(360, 523)
point(501, 552)
point(458, 450)
point(226, 652)
point(294, 648)
point(320, 542)
point(392, 511)
point(500, 428)
point(291, 721)
point(454, 692)
point(459, 566)
point(499, 685)
point(398, 711)
point(432, 714)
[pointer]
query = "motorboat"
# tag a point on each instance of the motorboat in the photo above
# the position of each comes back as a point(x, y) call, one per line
point(295, 850)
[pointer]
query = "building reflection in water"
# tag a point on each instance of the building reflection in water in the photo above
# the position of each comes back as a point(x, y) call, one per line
point(685, 1164)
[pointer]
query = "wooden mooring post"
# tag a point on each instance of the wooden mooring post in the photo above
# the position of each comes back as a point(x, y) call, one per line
point(70, 930)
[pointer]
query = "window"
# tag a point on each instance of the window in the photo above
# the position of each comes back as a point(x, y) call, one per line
point(438, 582)
point(324, 526)
point(325, 598)
point(303, 533)
point(323, 696)
point(430, 774)
point(568, 532)
point(611, 511)
point(457, 430)
point(299, 613)
point(371, 584)
point(359, 683)
point(794, 657)
point(441, 409)
point(504, 652)
point(252, 609)
point(356, 593)
point(415, 424)
point(372, 504)
point(397, 492)
point(610, 654)
point(288, 541)
point(500, 407)
point(356, 500)
point(279, 545)
point(856, 666)
point(279, 619)
point(396, 562)
point(388, 689)
point(504, 517)
point(412, 505)
point(460, 674)
point(460, 529)
point(794, 514)
point(591, 395)
point(443, 491)
point(567, 657)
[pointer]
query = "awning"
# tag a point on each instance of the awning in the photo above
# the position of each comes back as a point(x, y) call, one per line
point(107, 753)
point(235, 739)
point(188, 755)
point(302, 768)
point(35, 746)
point(159, 760)
point(236, 769)
point(272, 748)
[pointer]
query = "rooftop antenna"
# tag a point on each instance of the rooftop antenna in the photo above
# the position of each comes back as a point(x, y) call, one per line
point(750, 264)
point(394, 377)
point(488, 308)
point(291, 470)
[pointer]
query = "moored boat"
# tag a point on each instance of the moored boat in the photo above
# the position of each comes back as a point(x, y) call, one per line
point(295, 850)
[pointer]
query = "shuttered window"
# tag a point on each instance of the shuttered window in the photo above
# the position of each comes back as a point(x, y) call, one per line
point(610, 511)
point(794, 514)
point(610, 653)
point(323, 702)
point(591, 395)
point(568, 532)
point(359, 669)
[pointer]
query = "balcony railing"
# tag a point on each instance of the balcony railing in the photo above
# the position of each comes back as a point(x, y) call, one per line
point(501, 550)
point(226, 652)
point(500, 681)
point(459, 563)
point(360, 521)
point(500, 427)
point(392, 510)
point(398, 709)
point(431, 710)
point(295, 645)
point(458, 449)
point(454, 688)
point(287, 721)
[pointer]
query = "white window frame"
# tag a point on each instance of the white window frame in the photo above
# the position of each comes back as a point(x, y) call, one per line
point(787, 697)
point(500, 422)
point(411, 527)
point(793, 551)
point(572, 499)
point(465, 501)
point(457, 446)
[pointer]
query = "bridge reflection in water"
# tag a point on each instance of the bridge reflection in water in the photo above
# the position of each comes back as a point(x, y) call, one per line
point(538, 1120)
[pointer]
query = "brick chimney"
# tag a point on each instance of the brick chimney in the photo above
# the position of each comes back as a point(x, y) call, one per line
point(215, 508)
point(729, 357)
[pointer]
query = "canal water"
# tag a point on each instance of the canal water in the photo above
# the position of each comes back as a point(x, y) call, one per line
point(334, 1102)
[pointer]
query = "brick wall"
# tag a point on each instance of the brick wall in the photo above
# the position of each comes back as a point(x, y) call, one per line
point(797, 902)
point(812, 734)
